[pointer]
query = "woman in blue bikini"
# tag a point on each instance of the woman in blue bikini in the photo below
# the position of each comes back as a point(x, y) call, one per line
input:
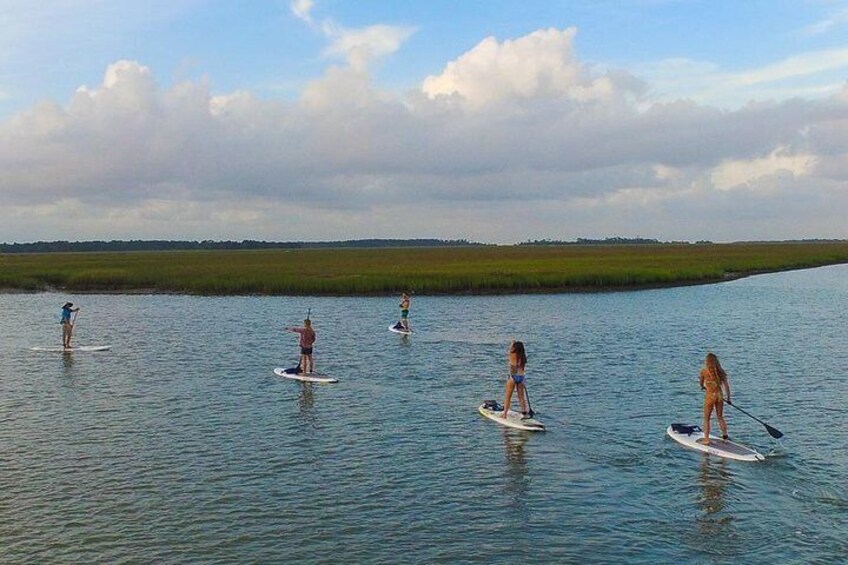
point(517, 359)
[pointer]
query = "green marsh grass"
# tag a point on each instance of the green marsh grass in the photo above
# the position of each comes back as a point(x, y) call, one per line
point(446, 270)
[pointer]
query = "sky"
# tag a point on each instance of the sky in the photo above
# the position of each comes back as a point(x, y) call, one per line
point(490, 120)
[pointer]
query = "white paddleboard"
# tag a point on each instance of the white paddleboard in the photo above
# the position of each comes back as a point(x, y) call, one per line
point(305, 377)
point(513, 419)
point(398, 329)
point(693, 438)
point(81, 348)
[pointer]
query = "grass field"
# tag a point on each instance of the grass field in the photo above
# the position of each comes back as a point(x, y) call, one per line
point(446, 270)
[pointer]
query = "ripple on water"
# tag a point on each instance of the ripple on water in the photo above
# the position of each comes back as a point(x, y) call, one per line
point(180, 445)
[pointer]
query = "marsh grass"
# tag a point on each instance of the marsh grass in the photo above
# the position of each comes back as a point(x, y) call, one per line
point(446, 270)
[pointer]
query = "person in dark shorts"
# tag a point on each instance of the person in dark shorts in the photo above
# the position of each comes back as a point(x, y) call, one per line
point(404, 311)
point(306, 342)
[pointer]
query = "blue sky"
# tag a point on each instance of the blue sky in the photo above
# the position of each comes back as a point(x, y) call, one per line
point(262, 46)
point(677, 119)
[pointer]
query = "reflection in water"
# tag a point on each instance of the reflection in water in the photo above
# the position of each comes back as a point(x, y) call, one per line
point(67, 363)
point(714, 523)
point(306, 402)
point(517, 480)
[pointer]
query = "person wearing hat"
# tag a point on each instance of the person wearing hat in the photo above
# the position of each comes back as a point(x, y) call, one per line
point(67, 324)
point(404, 311)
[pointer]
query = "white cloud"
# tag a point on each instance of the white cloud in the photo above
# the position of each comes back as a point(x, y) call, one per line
point(666, 173)
point(359, 47)
point(838, 18)
point(801, 65)
point(747, 173)
point(542, 64)
point(556, 151)
point(302, 9)
point(814, 74)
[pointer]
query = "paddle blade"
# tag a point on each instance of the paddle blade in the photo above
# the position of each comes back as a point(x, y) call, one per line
point(773, 432)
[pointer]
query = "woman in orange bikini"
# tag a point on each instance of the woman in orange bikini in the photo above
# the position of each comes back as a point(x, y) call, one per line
point(714, 381)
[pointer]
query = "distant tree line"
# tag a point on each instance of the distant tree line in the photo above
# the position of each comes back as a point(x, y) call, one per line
point(170, 245)
point(605, 241)
point(651, 241)
point(167, 245)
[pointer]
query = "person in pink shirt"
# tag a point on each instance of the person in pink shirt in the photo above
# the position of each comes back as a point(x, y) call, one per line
point(307, 340)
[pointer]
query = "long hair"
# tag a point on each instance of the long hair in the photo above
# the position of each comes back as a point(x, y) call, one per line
point(714, 367)
point(521, 356)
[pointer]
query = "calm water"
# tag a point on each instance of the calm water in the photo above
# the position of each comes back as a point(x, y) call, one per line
point(180, 445)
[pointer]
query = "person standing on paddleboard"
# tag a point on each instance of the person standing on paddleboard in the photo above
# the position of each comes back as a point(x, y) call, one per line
point(67, 324)
point(404, 310)
point(713, 381)
point(307, 340)
point(516, 359)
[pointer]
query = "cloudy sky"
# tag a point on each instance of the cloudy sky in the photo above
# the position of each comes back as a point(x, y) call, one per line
point(491, 120)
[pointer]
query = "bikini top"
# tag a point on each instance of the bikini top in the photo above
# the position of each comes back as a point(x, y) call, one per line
point(710, 381)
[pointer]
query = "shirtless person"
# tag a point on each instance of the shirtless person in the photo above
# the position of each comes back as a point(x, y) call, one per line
point(404, 311)
point(307, 340)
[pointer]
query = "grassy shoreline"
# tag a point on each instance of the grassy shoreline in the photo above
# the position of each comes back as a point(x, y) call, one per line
point(444, 270)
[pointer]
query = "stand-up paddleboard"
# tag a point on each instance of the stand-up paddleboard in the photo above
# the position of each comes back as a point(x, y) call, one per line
point(494, 411)
point(693, 438)
point(81, 348)
point(305, 377)
point(399, 329)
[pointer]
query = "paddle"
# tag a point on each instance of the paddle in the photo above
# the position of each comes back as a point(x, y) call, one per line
point(773, 432)
point(530, 411)
point(73, 324)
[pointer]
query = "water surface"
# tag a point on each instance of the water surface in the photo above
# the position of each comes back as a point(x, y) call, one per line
point(180, 445)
